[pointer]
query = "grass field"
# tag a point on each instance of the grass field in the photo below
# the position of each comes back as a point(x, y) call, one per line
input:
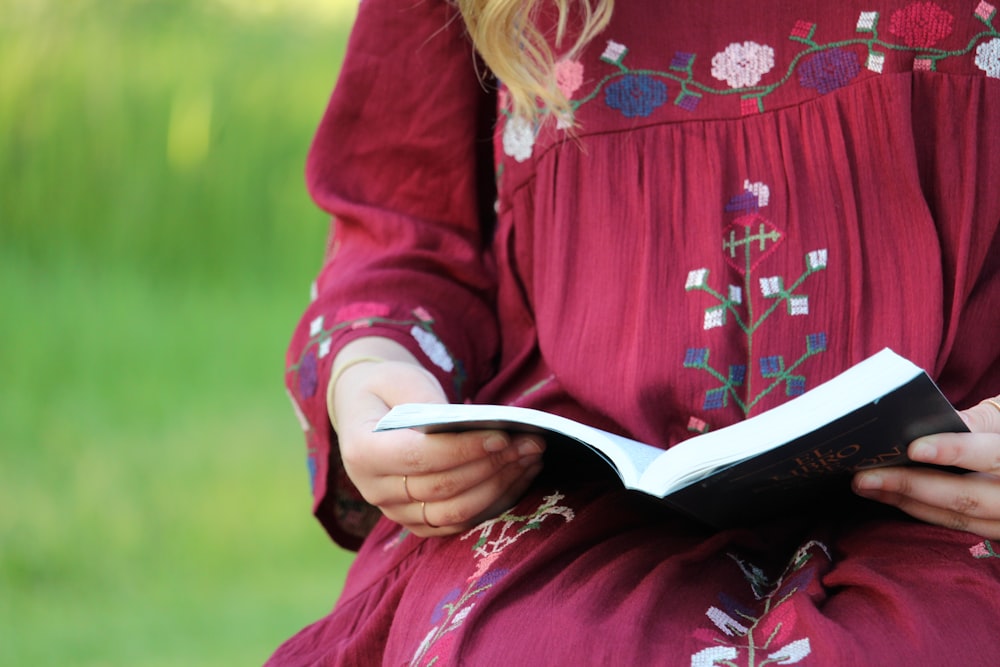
point(156, 246)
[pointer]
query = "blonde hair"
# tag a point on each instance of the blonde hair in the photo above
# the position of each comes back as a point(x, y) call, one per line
point(506, 35)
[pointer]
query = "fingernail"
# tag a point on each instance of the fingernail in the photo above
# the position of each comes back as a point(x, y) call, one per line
point(868, 481)
point(495, 443)
point(922, 450)
point(529, 447)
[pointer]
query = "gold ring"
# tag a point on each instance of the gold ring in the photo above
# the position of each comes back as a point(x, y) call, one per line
point(409, 498)
point(993, 402)
point(423, 510)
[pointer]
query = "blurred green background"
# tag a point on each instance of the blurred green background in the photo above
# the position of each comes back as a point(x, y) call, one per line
point(156, 248)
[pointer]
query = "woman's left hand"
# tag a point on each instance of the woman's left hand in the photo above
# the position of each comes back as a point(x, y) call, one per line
point(968, 501)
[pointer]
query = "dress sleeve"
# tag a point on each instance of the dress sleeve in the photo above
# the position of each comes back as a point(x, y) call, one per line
point(402, 161)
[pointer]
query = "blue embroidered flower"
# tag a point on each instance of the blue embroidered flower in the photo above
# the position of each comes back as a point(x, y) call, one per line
point(696, 357)
point(772, 366)
point(636, 95)
point(307, 376)
point(715, 399)
point(829, 70)
point(795, 386)
point(737, 374)
point(313, 469)
point(816, 342)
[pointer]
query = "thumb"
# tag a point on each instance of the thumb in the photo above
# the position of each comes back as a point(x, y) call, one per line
point(397, 382)
point(984, 417)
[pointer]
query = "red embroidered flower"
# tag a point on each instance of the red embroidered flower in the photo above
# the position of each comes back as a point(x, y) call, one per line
point(922, 24)
point(360, 310)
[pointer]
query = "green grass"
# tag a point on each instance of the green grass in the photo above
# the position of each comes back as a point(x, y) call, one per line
point(156, 246)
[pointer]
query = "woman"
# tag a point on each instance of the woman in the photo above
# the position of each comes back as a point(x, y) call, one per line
point(671, 217)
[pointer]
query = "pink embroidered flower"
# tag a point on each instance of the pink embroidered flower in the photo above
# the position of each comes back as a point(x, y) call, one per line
point(979, 551)
point(750, 106)
point(923, 64)
point(803, 29)
point(421, 314)
point(922, 24)
point(985, 11)
point(569, 77)
point(614, 52)
point(361, 310)
point(742, 65)
point(697, 425)
point(988, 57)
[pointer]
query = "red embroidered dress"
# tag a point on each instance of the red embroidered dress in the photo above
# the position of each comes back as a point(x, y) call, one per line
point(757, 195)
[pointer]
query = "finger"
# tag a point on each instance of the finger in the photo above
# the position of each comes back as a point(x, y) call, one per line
point(985, 417)
point(438, 486)
point(418, 454)
point(978, 451)
point(465, 511)
point(937, 515)
point(955, 499)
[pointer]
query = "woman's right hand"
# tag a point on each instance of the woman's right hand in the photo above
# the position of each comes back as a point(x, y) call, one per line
point(432, 484)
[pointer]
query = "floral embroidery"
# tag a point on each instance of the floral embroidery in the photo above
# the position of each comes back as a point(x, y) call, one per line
point(747, 242)
point(351, 508)
point(984, 550)
point(569, 77)
point(828, 70)
point(493, 538)
point(822, 66)
point(518, 138)
point(763, 633)
point(921, 25)
point(743, 65)
point(636, 95)
point(988, 58)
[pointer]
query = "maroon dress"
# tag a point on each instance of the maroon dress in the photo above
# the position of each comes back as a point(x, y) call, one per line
point(754, 197)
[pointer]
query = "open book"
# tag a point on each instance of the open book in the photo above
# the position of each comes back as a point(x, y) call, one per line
point(865, 417)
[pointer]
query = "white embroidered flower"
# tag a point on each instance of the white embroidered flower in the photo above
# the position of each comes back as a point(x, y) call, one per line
point(313, 291)
point(713, 655)
point(461, 615)
point(736, 294)
point(798, 305)
point(770, 286)
point(988, 57)
point(725, 622)
point(433, 348)
point(715, 317)
point(696, 278)
point(791, 653)
point(518, 138)
point(867, 21)
point(614, 52)
point(817, 259)
point(760, 189)
point(875, 62)
point(741, 65)
point(324, 347)
point(316, 326)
